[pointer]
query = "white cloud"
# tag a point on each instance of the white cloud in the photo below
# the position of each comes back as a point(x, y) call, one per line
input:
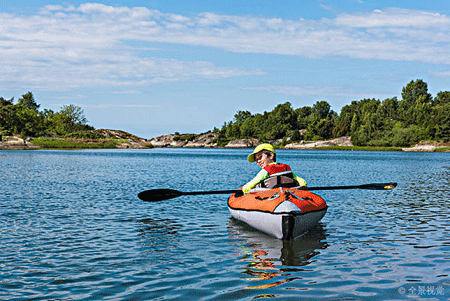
point(395, 17)
point(65, 47)
point(327, 7)
point(87, 47)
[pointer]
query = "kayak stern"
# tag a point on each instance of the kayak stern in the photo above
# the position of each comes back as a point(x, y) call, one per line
point(285, 213)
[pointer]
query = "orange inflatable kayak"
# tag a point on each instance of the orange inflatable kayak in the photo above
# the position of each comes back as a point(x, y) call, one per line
point(285, 213)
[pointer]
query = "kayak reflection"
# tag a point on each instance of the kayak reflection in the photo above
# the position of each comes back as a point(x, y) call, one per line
point(268, 258)
point(296, 252)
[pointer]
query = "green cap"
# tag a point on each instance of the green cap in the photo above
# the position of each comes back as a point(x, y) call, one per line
point(264, 146)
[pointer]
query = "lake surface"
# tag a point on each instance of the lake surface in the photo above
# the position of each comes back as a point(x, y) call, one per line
point(72, 228)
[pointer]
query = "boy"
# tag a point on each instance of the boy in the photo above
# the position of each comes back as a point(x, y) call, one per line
point(264, 155)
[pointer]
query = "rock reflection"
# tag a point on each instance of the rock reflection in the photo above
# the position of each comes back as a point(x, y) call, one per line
point(272, 260)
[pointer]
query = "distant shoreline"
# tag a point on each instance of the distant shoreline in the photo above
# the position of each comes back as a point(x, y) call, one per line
point(115, 139)
point(206, 140)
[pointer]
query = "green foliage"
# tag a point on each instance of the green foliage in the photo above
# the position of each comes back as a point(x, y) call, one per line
point(415, 103)
point(70, 119)
point(7, 113)
point(25, 118)
point(280, 121)
point(186, 137)
point(221, 142)
point(50, 143)
point(346, 120)
point(442, 98)
point(85, 135)
point(440, 121)
point(442, 150)
point(27, 102)
point(370, 122)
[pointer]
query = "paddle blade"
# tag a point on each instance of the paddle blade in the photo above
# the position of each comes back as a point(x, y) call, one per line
point(379, 186)
point(156, 195)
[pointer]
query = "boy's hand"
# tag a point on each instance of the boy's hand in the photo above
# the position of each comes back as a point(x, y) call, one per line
point(239, 193)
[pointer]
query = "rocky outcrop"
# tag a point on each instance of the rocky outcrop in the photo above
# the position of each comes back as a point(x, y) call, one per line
point(129, 140)
point(208, 139)
point(133, 145)
point(15, 142)
point(341, 141)
point(205, 140)
point(163, 141)
point(172, 140)
point(425, 147)
point(243, 143)
point(118, 134)
point(126, 140)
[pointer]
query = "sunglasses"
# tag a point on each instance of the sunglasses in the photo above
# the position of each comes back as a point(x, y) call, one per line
point(259, 156)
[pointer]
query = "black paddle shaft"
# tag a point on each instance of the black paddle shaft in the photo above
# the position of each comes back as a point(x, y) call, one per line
point(375, 186)
point(156, 195)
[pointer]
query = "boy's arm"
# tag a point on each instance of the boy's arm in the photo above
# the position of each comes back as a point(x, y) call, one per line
point(300, 181)
point(263, 174)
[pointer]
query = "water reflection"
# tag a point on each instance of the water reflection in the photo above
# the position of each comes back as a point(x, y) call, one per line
point(164, 226)
point(275, 261)
point(159, 235)
point(299, 252)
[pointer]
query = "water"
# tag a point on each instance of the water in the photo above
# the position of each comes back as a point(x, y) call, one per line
point(72, 228)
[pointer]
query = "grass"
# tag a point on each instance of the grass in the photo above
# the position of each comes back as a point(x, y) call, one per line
point(442, 149)
point(55, 143)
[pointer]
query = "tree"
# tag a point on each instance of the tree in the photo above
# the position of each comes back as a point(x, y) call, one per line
point(321, 121)
point(241, 116)
point(70, 119)
point(28, 121)
point(232, 130)
point(322, 110)
point(343, 122)
point(6, 115)
point(27, 101)
point(389, 108)
point(303, 114)
point(415, 103)
point(442, 98)
point(324, 128)
point(442, 122)
point(440, 117)
point(280, 121)
point(416, 91)
point(5, 102)
point(247, 129)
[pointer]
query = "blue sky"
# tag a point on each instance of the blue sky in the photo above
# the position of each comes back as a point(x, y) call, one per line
point(163, 66)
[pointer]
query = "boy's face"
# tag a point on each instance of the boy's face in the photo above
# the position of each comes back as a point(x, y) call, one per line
point(262, 159)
